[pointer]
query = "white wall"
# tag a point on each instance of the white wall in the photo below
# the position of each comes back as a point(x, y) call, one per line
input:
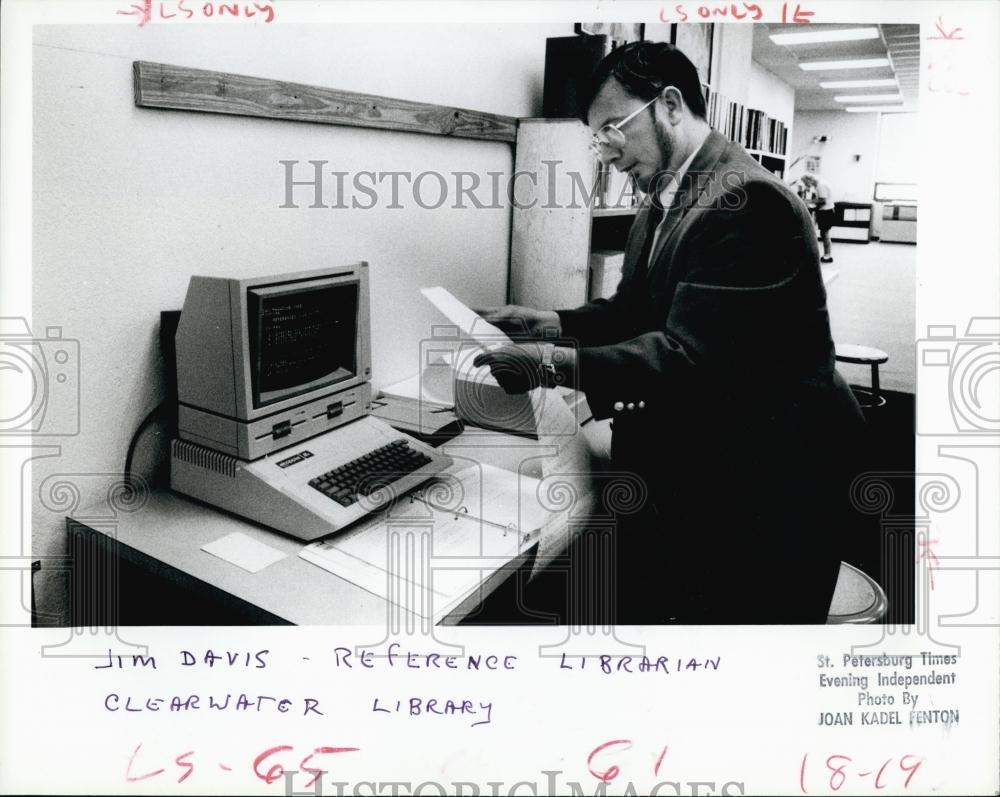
point(848, 134)
point(129, 202)
point(899, 155)
point(768, 93)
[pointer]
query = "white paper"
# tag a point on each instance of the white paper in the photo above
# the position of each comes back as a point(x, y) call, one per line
point(243, 551)
point(472, 324)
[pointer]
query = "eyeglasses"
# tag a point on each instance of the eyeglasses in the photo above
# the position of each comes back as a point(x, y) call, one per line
point(611, 137)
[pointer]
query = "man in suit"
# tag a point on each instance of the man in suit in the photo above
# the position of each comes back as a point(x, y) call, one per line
point(714, 360)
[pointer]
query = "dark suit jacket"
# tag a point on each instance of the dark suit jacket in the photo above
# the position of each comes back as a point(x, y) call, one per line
point(745, 426)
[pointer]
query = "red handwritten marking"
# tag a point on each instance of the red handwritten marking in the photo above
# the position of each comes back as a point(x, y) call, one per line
point(656, 769)
point(912, 770)
point(878, 777)
point(318, 773)
point(739, 11)
point(612, 772)
point(952, 34)
point(935, 86)
point(128, 770)
point(837, 770)
point(275, 771)
point(750, 9)
point(143, 10)
point(923, 542)
point(799, 17)
point(181, 763)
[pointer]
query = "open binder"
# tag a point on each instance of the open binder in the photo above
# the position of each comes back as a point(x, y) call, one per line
point(433, 548)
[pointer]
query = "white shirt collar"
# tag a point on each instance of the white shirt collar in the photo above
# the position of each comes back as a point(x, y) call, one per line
point(668, 191)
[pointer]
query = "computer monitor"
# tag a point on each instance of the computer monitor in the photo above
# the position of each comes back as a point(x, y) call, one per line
point(265, 362)
point(303, 337)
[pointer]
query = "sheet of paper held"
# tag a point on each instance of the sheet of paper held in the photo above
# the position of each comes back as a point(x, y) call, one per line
point(471, 323)
point(555, 423)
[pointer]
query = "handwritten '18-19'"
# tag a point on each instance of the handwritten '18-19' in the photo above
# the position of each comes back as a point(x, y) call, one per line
point(839, 768)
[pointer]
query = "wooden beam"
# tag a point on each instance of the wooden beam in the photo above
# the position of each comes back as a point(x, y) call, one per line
point(185, 89)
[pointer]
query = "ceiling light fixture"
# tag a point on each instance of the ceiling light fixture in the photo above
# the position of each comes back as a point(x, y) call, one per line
point(819, 37)
point(868, 98)
point(876, 108)
point(857, 84)
point(850, 63)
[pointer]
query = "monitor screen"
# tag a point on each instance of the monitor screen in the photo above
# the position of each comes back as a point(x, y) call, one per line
point(303, 336)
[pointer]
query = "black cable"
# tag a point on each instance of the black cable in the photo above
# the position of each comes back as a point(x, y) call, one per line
point(138, 433)
point(169, 321)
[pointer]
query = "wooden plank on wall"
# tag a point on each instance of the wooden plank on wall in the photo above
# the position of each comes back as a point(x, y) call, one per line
point(186, 89)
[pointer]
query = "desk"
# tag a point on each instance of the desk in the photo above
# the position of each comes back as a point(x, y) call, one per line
point(145, 566)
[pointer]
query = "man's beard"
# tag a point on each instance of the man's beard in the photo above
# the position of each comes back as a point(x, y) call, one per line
point(665, 144)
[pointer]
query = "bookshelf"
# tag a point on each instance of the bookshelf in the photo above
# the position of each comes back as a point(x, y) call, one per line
point(763, 137)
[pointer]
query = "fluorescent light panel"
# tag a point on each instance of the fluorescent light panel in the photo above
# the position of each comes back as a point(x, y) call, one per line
point(818, 37)
point(874, 108)
point(850, 63)
point(868, 98)
point(857, 84)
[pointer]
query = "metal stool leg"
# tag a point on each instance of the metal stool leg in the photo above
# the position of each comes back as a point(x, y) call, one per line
point(876, 396)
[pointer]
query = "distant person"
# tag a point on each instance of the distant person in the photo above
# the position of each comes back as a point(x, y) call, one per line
point(822, 203)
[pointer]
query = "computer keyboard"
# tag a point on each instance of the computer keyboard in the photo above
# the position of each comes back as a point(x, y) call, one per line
point(366, 474)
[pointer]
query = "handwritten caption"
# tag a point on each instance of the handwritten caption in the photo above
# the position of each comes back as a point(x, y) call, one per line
point(147, 11)
point(275, 761)
point(786, 13)
point(478, 712)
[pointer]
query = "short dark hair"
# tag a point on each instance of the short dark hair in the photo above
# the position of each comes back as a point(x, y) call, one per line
point(644, 69)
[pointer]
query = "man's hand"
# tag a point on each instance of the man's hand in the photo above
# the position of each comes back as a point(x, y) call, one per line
point(519, 368)
point(523, 323)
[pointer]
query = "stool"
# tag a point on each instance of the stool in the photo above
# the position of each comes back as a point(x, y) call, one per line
point(857, 598)
point(864, 355)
